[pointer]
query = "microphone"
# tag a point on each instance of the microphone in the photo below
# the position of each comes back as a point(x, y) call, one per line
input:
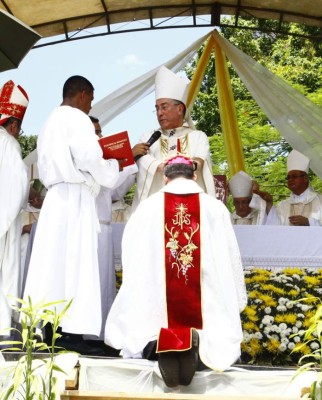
point(154, 137)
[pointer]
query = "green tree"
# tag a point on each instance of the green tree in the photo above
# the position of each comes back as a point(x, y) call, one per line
point(293, 58)
point(27, 144)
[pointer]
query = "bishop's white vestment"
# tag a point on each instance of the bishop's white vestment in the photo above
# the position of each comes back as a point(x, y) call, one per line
point(307, 204)
point(189, 142)
point(14, 187)
point(257, 216)
point(64, 260)
point(139, 310)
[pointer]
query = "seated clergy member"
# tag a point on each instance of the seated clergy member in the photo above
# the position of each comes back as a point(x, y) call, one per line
point(304, 206)
point(183, 286)
point(251, 205)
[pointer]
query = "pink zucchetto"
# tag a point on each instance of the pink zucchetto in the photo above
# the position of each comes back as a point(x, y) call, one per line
point(179, 160)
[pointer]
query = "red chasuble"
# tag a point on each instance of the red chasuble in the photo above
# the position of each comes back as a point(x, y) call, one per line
point(182, 271)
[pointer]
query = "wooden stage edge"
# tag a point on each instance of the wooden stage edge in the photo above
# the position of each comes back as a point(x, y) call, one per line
point(84, 395)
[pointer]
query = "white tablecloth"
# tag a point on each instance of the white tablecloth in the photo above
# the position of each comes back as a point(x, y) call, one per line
point(143, 376)
point(265, 246)
point(280, 246)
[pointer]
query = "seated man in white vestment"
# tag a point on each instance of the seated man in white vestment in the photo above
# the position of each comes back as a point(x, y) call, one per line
point(64, 260)
point(304, 206)
point(178, 135)
point(183, 285)
point(251, 204)
point(14, 187)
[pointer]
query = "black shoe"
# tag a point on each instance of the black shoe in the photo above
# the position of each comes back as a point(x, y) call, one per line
point(169, 368)
point(188, 361)
point(150, 351)
point(108, 350)
point(76, 343)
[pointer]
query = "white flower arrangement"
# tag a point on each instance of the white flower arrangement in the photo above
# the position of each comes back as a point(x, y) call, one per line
point(274, 321)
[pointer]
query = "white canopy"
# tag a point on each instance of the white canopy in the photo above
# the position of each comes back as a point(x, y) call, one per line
point(297, 119)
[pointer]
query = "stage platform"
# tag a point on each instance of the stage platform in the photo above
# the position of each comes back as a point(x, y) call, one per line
point(117, 378)
point(141, 379)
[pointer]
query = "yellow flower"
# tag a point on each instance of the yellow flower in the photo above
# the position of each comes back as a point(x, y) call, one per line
point(273, 345)
point(250, 326)
point(309, 314)
point(292, 271)
point(253, 294)
point(304, 349)
point(274, 289)
point(293, 292)
point(261, 278)
point(261, 271)
point(251, 313)
point(287, 318)
point(253, 347)
point(312, 280)
point(268, 300)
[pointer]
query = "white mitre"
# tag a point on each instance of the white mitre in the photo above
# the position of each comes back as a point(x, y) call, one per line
point(240, 185)
point(168, 85)
point(297, 161)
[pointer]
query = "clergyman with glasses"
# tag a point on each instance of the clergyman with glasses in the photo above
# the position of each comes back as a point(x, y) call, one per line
point(178, 136)
point(304, 206)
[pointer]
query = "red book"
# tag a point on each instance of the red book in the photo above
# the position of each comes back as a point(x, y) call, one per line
point(117, 146)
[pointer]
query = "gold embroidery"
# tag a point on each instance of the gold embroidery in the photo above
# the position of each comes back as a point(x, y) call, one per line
point(164, 147)
point(164, 144)
point(301, 209)
point(180, 243)
point(181, 217)
point(184, 145)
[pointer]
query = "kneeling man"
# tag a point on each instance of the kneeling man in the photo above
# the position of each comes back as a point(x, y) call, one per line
point(183, 285)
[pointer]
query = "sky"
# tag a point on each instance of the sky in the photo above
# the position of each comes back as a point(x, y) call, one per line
point(109, 62)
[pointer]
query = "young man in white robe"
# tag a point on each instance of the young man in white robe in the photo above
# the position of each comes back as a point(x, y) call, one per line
point(14, 188)
point(183, 283)
point(64, 260)
point(178, 135)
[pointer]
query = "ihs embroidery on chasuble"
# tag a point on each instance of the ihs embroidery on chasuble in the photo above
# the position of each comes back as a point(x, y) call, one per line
point(182, 270)
point(180, 241)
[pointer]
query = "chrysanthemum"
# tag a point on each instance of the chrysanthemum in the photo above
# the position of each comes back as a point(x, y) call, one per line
point(267, 300)
point(312, 280)
point(273, 345)
point(250, 326)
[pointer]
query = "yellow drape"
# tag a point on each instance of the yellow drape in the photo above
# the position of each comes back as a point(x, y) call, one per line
point(232, 142)
point(200, 72)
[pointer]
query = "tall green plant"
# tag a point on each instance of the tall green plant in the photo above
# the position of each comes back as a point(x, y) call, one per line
point(313, 360)
point(33, 378)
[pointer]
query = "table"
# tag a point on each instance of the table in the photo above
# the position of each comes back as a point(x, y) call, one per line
point(265, 246)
